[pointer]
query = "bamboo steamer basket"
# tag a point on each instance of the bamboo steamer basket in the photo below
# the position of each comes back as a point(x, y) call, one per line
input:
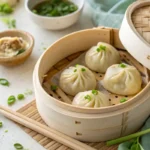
point(85, 124)
point(136, 28)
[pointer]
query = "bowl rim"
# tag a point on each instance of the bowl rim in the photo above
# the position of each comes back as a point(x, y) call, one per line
point(57, 17)
point(134, 101)
point(28, 50)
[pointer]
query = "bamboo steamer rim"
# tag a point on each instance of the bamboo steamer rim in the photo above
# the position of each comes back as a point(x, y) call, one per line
point(36, 78)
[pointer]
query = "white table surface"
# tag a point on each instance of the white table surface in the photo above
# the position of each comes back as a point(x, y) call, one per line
point(20, 77)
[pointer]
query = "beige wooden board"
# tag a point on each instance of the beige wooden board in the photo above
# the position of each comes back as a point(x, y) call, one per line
point(31, 111)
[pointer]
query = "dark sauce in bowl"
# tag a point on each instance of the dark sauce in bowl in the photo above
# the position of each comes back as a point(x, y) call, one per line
point(55, 8)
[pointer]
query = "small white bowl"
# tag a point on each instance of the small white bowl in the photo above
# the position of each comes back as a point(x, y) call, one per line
point(54, 23)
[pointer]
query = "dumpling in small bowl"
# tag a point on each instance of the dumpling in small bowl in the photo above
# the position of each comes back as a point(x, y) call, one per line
point(77, 79)
point(122, 79)
point(92, 99)
point(102, 56)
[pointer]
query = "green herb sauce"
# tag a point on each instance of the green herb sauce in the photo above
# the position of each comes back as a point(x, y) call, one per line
point(55, 8)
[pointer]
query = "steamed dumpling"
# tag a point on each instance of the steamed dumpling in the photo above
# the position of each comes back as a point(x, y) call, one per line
point(122, 79)
point(93, 99)
point(102, 56)
point(77, 79)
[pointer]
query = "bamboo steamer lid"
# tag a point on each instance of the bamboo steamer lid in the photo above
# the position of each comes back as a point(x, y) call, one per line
point(135, 31)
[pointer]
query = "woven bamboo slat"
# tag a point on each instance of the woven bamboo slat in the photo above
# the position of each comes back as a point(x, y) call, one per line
point(31, 111)
point(141, 21)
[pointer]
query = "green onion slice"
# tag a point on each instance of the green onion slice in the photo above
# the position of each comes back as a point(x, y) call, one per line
point(88, 97)
point(54, 87)
point(101, 48)
point(75, 70)
point(94, 92)
point(123, 100)
point(76, 65)
point(21, 51)
point(83, 69)
point(122, 65)
point(11, 100)
point(4, 82)
point(1, 124)
point(20, 97)
point(18, 146)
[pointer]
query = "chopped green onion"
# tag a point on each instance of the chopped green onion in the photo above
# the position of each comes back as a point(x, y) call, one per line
point(20, 51)
point(94, 92)
point(128, 137)
point(6, 131)
point(54, 87)
point(76, 65)
point(101, 47)
point(18, 146)
point(11, 23)
point(73, 8)
point(28, 92)
point(4, 82)
point(83, 69)
point(122, 65)
point(11, 100)
point(1, 124)
point(98, 49)
point(34, 11)
point(123, 100)
point(75, 70)
point(5, 8)
point(88, 97)
point(20, 97)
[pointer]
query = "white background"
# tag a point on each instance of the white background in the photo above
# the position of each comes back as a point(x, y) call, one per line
point(20, 77)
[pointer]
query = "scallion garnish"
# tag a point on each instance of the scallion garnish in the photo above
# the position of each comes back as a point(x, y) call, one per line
point(76, 65)
point(1, 124)
point(34, 11)
point(18, 146)
point(4, 82)
point(20, 97)
point(5, 8)
point(28, 92)
point(54, 87)
point(128, 137)
point(98, 49)
point(20, 51)
point(83, 69)
point(123, 100)
point(11, 100)
point(6, 131)
point(122, 65)
point(88, 97)
point(101, 47)
point(94, 92)
point(11, 23)
point(75, 70)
